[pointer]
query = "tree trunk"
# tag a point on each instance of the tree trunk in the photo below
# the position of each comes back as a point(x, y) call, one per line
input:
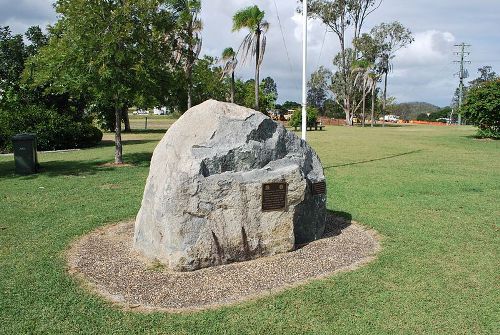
point(190, 62)
point(232, 87)
point(126, 120)
point(347, 113)
point(385, 99)
point(257, 71)
point(373, 106)
point(190, 85)
point(118, 136)
point(363, 116)
point(364, 106)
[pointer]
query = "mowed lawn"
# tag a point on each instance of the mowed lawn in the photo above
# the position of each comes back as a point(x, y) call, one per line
point(433, 193)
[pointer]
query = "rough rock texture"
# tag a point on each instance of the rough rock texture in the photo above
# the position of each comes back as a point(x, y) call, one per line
point(202, 203)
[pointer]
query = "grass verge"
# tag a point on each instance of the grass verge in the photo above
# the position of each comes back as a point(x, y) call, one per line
point(432, 192)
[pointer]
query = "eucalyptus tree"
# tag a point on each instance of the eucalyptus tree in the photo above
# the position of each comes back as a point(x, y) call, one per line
point(112, 51)
point(391, 37)
point(486, 73)
point(229, 63)
point(318, 87)
point(254, 43)
point(268, 93)
point(344, 18)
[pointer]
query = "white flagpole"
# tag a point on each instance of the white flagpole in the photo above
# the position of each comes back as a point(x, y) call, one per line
point(304, 68)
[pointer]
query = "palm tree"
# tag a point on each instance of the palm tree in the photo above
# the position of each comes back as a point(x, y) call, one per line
point(391, 37)
point(374, 77)
point(385, 68)
point(229, 66)
point(188, 41)
point(254, 43)
point(361, 70)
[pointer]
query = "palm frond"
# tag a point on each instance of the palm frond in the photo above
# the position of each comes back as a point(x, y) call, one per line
point(262, 49)
point(197, 47)
point(227, 54)
point(247, 47)
point(249, 17)
point(264, 26)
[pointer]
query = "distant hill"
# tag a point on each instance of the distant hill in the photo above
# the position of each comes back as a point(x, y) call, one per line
point(410, 110)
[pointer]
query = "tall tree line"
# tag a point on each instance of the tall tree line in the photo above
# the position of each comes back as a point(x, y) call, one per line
point(365, 59)
point(108, 55)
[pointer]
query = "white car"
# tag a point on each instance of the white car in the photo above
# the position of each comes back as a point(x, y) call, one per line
point(160, 111)
point(391, 118)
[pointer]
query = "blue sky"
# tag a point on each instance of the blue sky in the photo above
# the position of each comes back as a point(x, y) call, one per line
point(422, 72)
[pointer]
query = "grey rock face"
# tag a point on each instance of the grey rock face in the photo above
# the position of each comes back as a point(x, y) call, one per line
point(202, 204)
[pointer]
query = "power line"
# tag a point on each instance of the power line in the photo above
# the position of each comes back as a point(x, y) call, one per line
point(463, 74)
point(322, 46)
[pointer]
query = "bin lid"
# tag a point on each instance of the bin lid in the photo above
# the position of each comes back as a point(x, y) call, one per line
point(24, 137)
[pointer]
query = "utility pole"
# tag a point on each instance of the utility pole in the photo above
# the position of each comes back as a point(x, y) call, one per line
point(463, 74)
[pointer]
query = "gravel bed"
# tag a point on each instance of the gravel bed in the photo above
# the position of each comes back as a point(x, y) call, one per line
point(105, 262)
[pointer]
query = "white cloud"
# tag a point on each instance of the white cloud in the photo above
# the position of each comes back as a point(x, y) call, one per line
point(423, 71)
point(429, 47)
point(21, 14)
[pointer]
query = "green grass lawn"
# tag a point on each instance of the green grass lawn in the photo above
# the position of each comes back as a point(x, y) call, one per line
point(145, 122)
point(433, 193)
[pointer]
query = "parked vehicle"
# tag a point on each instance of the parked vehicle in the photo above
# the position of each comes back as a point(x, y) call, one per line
point(160, 111)
point(391, 118)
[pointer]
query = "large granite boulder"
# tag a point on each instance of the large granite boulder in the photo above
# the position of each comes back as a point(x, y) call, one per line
point(203, 203)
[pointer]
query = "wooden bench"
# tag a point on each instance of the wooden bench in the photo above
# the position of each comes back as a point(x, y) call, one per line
point(318, 125)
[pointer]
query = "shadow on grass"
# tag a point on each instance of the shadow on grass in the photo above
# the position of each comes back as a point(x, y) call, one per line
point(111, 143)
point(481, 138)
point(76, 168)
point(380, 125)
point(149, 131)
point(336, 222)
point(374, 160)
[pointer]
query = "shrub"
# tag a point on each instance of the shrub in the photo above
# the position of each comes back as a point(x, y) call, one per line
point(488, 133)
point(422, 117)
point(482, 108)
point(296, 118)
point(54, 131)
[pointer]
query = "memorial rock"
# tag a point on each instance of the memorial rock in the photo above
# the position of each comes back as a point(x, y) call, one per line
point(228, 184)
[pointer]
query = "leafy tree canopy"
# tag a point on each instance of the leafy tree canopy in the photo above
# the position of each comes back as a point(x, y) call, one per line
point(482, 108)
point(486, 73)
point(114, 52)
point(289, 105)
point(318, 88)
point(207, 81)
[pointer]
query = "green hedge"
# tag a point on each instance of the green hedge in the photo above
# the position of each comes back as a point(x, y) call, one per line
point(54, 131)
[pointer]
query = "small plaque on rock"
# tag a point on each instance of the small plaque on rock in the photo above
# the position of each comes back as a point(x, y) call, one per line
point(319, 188)
point(274, 196)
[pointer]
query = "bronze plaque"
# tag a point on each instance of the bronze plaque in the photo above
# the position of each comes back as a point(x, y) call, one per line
point(319, 188)
point(274, 196)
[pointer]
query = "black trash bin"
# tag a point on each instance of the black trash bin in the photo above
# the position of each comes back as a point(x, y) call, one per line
point(25, 154)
